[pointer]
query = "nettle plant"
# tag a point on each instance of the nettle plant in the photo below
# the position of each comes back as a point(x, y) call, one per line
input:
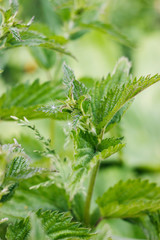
point(56, 202)
point(59, 192)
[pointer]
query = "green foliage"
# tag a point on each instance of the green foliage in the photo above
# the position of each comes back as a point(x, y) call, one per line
point(95, 112)
point(24, 99)
point(111, 96)
point(150, 225)
point(52, 202)
point(52, 225)
point(19, 231)
point(107, 29)
point(17, 169)
point(16, 34)
point(130, 199)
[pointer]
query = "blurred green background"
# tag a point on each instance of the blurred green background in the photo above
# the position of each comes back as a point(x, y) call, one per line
point(96, 54)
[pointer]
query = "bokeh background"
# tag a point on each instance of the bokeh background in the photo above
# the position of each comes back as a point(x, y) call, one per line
point(96, 54)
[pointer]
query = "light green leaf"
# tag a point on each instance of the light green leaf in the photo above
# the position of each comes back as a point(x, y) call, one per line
point(69, 76)
point(16, 34)
point(14, 6)
point(17, 169)
point(44, 57)
point(76, 88)
point(130, 199)
point(46, 31)
point(24, 99)
point(104, 154)
point(31, 38)
point(109, 29)
point(29, 197)
point(37, 232)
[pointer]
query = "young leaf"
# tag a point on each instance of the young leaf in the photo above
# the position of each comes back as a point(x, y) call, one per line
point(88, 152)
point(16, 34)
point(17, 169)
point(130, 199)
point(77, 88)
point(107, 102)
point(14, 6)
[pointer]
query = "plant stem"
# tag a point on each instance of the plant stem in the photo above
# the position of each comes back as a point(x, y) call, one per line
point(52, 123)
point(90, 192)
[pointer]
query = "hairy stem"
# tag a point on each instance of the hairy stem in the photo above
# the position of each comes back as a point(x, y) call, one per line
point(89, 193)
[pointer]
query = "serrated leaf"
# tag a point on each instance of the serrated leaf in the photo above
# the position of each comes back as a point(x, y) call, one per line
point(77, 88)
point(24, 99)
point(104, 154)
point(18, 231)
point(110, 100)
point(19, 168)
point(31, 38)
point(56, 226)
point(130, 199)
point(69, 76)
point(16, 34)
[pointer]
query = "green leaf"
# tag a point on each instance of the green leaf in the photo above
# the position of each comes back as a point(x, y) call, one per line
point(69, 76)
point(46, 31)
point(107, 148)
point(111, 97)
point(31, 38)
point(150, 225)
point(130, 199)
point(88, 152)
point(103, 231)
point(32, 194)
point(24, 99)
point(18, 231)
point(44, 57)
point(17, 169)
point(14, 6)
point(37, 232)
point(16, 34)
point(109, 29)
point(77, 88)
point(56, 226)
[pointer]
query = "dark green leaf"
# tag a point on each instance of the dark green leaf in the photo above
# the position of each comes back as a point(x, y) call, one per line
point(56, 226)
